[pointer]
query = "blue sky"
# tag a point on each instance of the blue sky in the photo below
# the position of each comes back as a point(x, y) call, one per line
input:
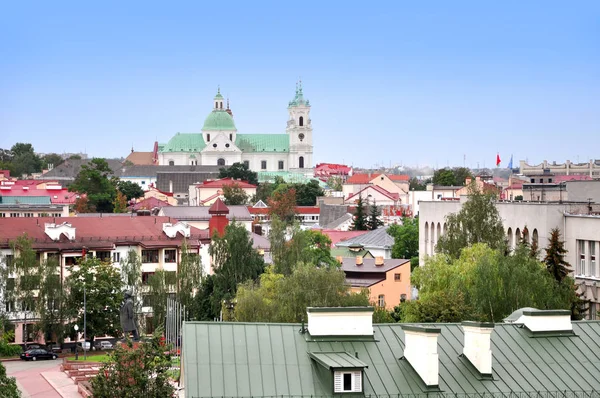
point(395, 82)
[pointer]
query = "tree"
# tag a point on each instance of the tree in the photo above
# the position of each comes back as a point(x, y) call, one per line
point(234, 195)
point(8, 385)
point(202, 308)
point(52, 302)
point(82, 205)
point(444, 177)
point(234, 261)
point(140, 371)
point(555, 261)
point(374, 222)
point(159, 286)
point(335, 183)
point(306, 194)
point(406, 239)
point(189, 275)
point(360, 216)
point(416, 185)
point(130, 189)
point(131, 275)
point(283, 205)
point(478, 221)
point(24, 160)
point(51, 159)
point(103, 288)
point(239, 171)
point(461, 174)
point(94, 180)
point(119, 203)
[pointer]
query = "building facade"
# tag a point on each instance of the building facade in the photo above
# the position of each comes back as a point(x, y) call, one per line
point(220, 144)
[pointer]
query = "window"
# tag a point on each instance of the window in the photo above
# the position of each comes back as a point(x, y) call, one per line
point(593, 270)
point(170, 256)
point(10, 306)
point(550, 180)
point(533, 180)
point(580, 266)
point(56, 215)
point(397, 277)
point(263, 164)
point(103, 255)
point(347, 381)
point(301, 121)
point(10, 284)
point(221, 162)
point(9, 260)
point(71, 260)
point(281, 165)
point(247, 164)
point(541, 180)
point(230, 137)
point(381, 300)
point(171, 163)
point(143, 182)
point(301, 162)
point(14, 214)
point(145, 278)
point(116, 257)
point(207, 137)
point(149, 256)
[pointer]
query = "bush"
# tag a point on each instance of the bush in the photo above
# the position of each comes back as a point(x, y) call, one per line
point(9, 350)
point(8, 385)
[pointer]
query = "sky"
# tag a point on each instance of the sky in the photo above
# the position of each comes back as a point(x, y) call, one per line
point(438, 83)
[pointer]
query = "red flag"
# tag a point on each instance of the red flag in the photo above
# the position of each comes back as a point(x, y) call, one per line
point(497, 159)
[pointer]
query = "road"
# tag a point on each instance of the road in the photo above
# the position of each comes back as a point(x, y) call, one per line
point(29, 378)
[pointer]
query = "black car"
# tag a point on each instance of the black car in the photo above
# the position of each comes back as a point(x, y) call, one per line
point(38, 353)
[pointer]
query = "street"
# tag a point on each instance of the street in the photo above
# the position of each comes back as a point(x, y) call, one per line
point(29, 378)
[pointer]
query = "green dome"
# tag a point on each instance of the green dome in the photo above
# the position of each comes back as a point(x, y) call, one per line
point(219, 120)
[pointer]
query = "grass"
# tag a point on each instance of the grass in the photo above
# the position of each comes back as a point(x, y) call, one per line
point(90, 358)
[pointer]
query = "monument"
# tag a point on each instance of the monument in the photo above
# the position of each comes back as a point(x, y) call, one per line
point(127, 316)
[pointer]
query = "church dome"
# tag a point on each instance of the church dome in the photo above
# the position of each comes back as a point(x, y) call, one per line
point(219, 120)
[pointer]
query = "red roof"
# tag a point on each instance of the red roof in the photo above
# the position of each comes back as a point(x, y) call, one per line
point(564, 178)
point(362, 178)
point(58, 195)
point(218, 208)
point(515, 186)
point(5, 173)
point(383, 191)
point(329, 169)
point(96, 232)
point(149, 204)
point(398, 177)
point(220, 183)
point(340, 236)
point(299, 210)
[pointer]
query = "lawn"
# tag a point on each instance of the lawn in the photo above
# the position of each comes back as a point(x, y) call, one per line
point(90, 358)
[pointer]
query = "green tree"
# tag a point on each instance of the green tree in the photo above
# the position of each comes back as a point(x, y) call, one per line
point(282, 204)
point(406, 239)
point(439, 307)
point(51, 159)
point(234, 261)
point(94, 180)
point(8, 385)
point(189, 275)
point(103, 288)
point(131, 275)
point(159, 286)
point(416, 185)
point(374, 222)
point(478, 221)
point(335, 183)
point(461, 174)
point(239, 171)
point(140, 371)
point(444, 177)
point(555, 261)
point(130, 189)
point(119, 203)
point(360, 216)
point(24, 160)
point(234, 195)
point(306, 194)
point(202, 306)
point(52, 302)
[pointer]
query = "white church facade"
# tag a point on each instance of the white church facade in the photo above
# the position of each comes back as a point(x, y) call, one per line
point(220, 144)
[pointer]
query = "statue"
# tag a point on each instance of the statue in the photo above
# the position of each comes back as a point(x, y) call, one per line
point(127, 316)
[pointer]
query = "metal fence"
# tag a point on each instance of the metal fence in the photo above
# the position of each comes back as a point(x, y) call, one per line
point(175, 317)
point(521, 394)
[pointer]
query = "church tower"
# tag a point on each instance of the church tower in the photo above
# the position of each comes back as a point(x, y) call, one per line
point(299, 130)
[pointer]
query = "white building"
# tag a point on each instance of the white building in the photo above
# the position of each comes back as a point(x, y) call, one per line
point(579, 225)
point(220, 144)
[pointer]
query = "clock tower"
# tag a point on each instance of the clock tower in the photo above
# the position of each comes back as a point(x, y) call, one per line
point(299, 130)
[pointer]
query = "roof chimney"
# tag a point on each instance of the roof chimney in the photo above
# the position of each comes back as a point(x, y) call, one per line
point(339, 259)
point(340, 321)
point(379, 261)
point(478, 345)
point(420, 350)
point(359, 260)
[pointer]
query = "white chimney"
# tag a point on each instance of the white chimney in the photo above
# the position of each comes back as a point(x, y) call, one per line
point(340, 321)
point(546, 320)
point(478, 345)
point(379, 261)
point(420, 350)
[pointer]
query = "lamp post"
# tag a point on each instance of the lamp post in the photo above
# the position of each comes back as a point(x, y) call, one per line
point(76, 327)
point(84, 322)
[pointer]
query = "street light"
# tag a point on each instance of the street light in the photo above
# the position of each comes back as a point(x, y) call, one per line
point(84, 323)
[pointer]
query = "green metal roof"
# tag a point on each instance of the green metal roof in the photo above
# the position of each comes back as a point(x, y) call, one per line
point(266, 360)
point(185, 143)
point(219, 120)
point(288, 176)
point(263, 142)
point(25, 200)
point(337, 360)
point(346, 252)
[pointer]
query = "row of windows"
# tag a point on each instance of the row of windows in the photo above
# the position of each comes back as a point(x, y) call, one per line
point(586, 259)
point(30, 215)
point(151, 256)
point(263, 163)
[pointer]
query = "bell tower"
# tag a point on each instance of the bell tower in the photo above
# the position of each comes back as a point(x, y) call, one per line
point(299, 130)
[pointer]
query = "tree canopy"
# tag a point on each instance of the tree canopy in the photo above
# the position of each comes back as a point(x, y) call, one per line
point(95, 180)
point(374, 221)
point(478, 221)
point(406, 239)
point(360, 222)
point(451, 177)
point(234, 195)
point(130, 189)
point(282, 204)
point(24, 159)
point(239, 171)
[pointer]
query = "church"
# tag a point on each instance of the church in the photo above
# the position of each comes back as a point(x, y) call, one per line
point(220, 143)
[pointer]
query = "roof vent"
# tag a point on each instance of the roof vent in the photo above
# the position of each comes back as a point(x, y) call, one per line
point(420, 350)
point(546, 321)
point(340, 321)
point(379, 261)
point(359, 260)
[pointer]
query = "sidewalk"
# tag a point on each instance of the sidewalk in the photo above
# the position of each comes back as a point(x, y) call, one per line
point(62, 384)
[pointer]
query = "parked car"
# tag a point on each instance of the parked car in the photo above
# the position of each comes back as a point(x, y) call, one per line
point(105, 345)
point(38, 353)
